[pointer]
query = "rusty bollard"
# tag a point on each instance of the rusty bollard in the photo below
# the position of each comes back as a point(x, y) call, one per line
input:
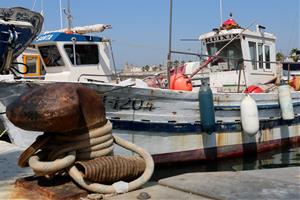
point(77, 137)
point(58, 107)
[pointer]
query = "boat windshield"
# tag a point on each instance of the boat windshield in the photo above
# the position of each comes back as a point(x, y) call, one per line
point(230, 54)
point(51, 56)
point(86, 54)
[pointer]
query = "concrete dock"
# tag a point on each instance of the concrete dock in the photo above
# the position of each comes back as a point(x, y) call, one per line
point(280, 183)
point(9, 170)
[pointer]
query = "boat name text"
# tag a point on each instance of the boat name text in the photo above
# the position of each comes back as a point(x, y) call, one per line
point(220, 38)
point(44, 38)
point(117, 103)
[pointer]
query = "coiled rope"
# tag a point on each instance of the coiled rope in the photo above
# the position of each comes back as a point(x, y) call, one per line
point(52, 154)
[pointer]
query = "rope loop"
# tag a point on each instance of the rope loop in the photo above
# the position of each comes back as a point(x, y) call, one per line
point(52, 153)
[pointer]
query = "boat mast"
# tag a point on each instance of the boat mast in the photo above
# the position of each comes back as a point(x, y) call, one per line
point(61, 15)
point(170, 44)
point(221, 12)
point(69, 16)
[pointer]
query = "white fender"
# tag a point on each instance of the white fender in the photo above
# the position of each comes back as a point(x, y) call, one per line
point(285, 101)
point(249, 116)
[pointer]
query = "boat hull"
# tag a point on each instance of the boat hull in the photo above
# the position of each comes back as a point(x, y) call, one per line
point(167, 123)
point(168, 147)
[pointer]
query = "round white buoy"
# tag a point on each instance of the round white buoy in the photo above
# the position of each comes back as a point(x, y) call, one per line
point(285, 101)
point(249, 116)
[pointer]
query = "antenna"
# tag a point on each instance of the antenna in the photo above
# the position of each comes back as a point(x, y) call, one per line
point(42, 8)
point(69, 16)
point(33, 6)
point(42, 13)
point(221, 12)
point(190, 40)
point(61, 15)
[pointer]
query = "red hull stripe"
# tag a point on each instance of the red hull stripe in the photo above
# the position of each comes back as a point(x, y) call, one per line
point(229, 151)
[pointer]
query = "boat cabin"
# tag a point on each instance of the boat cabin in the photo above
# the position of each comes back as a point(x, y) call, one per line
point(74, 57)
point(248, 59)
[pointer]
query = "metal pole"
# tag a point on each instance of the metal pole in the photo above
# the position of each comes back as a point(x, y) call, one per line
point(74, 50)
point(239, 79)
point(69, 16)
point(221, 12)
point(113, 60)
point(170, 44)
point(61, 15)
point(42, 13)
point(289, 70)
point(42, 8)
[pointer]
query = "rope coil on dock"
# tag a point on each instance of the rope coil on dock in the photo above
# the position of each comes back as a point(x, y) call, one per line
point(77, 139)
point(53, 154)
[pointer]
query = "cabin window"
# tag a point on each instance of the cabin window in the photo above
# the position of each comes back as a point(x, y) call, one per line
point(253, 56)
point(230, 56)
point(86, 54)
point(31, 62)
point(267, 57)
point(51, 56)
point(260, 55)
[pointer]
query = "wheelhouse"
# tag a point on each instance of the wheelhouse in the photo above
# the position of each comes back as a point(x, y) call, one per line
point(251, 53)
point(74, 57)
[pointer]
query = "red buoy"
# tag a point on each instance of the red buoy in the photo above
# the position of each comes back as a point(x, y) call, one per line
point(229, 24)
point(179, 81)
point(254, 89)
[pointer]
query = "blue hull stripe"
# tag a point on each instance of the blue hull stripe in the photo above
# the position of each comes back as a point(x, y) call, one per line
point(260, 107)
point(195, 127)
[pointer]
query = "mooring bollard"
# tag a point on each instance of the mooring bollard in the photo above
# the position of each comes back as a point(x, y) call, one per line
point(77, 139)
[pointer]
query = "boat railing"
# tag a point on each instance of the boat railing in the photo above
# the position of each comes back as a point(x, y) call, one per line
point(117, 76)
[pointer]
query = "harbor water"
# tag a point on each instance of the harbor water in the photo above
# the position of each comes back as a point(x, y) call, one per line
point(287, 156)
point(281, 157)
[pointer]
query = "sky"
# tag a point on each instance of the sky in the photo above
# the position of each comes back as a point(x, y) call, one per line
point(140, 32)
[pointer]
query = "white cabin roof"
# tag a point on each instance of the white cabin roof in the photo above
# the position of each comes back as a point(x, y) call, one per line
point(246, 33)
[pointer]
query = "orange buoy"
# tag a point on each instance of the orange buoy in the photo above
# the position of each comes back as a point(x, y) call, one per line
point(69, 32)
point(254, 89)
point(295, 83)
point(179, 81)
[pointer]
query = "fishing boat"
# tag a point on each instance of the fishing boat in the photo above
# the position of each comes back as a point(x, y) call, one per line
point(178, 125)
point(73, 57)
point(41, 58)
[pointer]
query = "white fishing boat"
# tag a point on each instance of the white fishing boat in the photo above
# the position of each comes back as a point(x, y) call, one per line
point(175, 125)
